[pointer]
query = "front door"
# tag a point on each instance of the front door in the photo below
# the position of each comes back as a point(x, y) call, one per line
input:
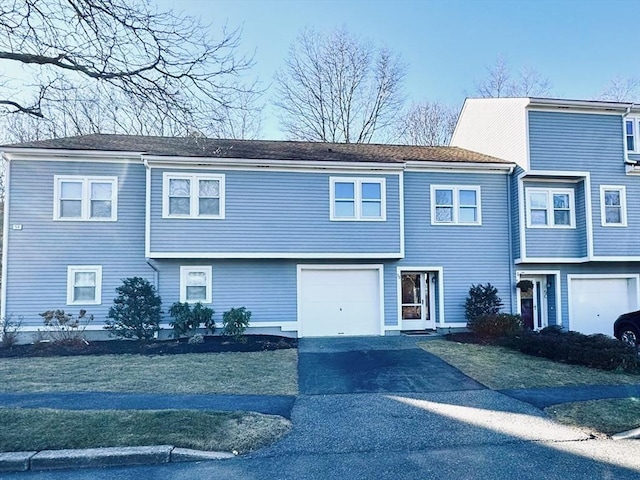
point(416, 302)
point(533, 303)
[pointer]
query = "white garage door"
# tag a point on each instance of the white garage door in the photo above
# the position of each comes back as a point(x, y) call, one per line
point(336, 302)
point(597, 302)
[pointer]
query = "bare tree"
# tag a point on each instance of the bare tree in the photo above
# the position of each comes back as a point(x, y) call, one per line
point(501, 82)
point(427, 123)
point(121, 51)
point(336, 87)
point(621, 89)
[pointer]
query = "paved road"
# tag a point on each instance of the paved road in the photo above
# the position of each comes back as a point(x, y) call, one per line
point(368, 412)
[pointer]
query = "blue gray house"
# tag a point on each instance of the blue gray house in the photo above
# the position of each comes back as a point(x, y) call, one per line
point(574, 203)
point(314, 239)
point(321, 239)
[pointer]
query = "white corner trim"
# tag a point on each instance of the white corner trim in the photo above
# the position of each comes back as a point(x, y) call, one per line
point(401, 195)
point(147, 213)
point(5, 243)
point(521, 218)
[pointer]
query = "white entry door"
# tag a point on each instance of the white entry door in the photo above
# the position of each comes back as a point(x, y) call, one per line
point(416, 301)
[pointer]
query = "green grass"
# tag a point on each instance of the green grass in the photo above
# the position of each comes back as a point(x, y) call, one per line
point(500, 368)
point(267, 373)
point(607, 416)
point(48, 429)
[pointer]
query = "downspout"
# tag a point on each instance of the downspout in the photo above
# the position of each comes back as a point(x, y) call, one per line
point(156, 273)
point(5, 239)
point(512, 292)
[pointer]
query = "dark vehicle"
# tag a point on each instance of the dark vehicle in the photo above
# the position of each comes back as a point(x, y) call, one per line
point(627, 328)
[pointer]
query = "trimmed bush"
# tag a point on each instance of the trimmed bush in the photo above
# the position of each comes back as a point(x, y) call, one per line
point(65, 328)
point(136, 310)
point(482, 300)
point(235, 322)
point(496, 325)
point(596, 351)
point(187, 320)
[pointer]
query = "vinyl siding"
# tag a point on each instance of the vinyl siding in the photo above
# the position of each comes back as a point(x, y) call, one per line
point(594, 143)
point(468, 254)
point(582, 268)
point(558, 242)
point(503, 136)
point(286, 212)
point(38, 255)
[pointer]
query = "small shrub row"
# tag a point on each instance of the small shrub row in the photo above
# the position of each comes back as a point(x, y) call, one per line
point(596, 351)
point(496, 325)
point(187, 320)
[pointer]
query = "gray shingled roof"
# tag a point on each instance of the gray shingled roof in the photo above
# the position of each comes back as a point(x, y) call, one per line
point(261, 149)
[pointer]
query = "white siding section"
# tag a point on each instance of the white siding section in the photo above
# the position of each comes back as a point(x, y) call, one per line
point(494, 126)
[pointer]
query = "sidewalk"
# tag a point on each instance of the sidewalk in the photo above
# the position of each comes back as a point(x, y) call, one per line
point(545, 397)
point(267, 404)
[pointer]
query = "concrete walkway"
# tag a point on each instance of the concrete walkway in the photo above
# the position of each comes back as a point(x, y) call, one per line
point(268, 404)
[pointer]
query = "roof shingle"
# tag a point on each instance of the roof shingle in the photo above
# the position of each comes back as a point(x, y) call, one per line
point(261, 149)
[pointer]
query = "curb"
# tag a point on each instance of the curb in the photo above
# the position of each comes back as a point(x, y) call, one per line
point(103, 457)
point(628, 435)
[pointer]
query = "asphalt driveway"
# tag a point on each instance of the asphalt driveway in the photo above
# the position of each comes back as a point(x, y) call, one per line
point(374, 365)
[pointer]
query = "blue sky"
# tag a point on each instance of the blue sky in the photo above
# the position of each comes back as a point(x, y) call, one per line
point(447, 44)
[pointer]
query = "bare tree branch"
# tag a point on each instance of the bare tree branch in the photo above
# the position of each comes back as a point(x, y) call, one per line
point(500, 82)
point(620, 89)
point(125, 49)
point(338, 88)
point(427, 123)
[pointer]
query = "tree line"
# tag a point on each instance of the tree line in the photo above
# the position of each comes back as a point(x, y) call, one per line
point(121, 66)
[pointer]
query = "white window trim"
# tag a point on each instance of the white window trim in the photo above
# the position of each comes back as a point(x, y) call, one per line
point(71, 271)
point(86, 197)
point(357, 188)
point(184, 272)
point(456, 204)
point(635, 133)
point(193, 209)
point(550, 217)
point(623, 205)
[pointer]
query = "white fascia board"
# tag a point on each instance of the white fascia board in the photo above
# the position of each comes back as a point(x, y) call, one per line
point(416, 165)
point(583, 104)
point(552, 260)
point(198, 162)
point(296, 255)
point(44, 154)
point(554, 173)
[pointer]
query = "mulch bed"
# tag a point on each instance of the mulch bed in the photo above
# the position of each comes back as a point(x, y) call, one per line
point(212, 344)
point(470, 337)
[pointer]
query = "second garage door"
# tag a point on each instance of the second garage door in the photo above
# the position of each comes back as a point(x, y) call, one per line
point(595, 303)
point(339, 301)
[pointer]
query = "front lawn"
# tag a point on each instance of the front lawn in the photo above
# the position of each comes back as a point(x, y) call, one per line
point(608, 416)
point(267, 373)
point(501, 368)
point(48, 429)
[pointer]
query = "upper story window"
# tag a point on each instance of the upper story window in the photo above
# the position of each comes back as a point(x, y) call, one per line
point(187, 195)
point(613, 206)
point(358, 199)
point(455, 205)
point(632, 134)
point(195, 284)
point(84, 285)
point(85, 198)
point(550, 207)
